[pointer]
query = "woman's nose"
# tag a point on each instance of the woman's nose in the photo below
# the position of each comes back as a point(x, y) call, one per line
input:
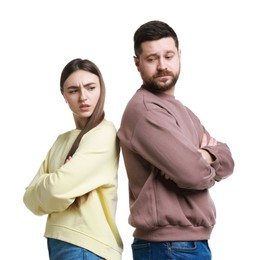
point(83, 96)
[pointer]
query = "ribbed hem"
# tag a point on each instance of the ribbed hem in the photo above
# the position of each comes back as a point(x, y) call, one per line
point(174, 233)
point(71, 236)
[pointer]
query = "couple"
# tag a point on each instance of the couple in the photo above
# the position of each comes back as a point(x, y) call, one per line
point(170, 158)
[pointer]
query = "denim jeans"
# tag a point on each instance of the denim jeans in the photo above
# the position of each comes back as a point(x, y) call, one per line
point(178, 250)
point(60, 250)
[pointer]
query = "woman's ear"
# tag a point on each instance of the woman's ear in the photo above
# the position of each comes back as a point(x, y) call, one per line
point(64, 98)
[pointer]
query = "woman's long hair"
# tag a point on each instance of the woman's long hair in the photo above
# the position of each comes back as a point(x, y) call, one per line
point(98, 113)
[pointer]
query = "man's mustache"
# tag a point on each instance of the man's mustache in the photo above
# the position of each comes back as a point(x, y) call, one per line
point(163, 74)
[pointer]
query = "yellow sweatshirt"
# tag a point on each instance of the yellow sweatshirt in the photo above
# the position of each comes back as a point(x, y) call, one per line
point(92, 169)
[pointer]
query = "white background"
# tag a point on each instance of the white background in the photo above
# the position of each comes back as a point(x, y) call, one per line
point(219, 82)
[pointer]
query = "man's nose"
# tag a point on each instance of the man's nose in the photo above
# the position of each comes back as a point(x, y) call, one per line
point(162, 65)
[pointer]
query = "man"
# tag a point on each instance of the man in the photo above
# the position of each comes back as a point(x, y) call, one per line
point(170, 158)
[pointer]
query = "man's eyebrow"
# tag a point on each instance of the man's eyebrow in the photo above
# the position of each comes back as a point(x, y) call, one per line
point(156, 54)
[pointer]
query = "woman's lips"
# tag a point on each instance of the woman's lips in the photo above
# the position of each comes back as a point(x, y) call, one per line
point(84, 107)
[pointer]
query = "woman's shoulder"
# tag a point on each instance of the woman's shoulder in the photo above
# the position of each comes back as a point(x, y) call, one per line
point(104, 134)
point(68, 134)
point(107, 125)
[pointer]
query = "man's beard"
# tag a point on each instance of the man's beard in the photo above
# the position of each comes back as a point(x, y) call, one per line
point(153, 86)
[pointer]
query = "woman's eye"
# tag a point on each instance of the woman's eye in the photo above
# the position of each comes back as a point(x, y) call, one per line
point(72, 91)
point(91, 88)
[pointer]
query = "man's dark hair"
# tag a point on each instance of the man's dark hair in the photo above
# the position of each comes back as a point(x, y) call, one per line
point(151, 31)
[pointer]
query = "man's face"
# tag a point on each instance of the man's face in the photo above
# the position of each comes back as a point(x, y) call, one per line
point(159, 64)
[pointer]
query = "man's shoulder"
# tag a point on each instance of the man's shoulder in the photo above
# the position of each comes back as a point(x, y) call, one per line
point(142, 97)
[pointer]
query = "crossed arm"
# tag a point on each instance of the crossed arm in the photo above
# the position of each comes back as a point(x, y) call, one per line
point(205, 142)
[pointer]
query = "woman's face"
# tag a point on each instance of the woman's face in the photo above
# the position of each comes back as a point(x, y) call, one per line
point(81, 91)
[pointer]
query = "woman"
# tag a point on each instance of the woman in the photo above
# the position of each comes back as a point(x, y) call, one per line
point(76, 184)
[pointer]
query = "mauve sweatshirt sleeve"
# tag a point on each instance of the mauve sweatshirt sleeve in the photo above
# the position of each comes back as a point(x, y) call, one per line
point(223, 163)
point(171, 144)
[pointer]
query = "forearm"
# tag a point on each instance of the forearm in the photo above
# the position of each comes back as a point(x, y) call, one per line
point(176, 157)
point(39, 199)
point(223, 163)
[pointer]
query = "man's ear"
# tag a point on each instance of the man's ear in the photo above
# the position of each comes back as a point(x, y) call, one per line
point(180, 53)
point(136, 60)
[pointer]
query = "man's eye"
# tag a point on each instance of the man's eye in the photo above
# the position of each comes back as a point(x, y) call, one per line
point(151, 59)
point(169, 57)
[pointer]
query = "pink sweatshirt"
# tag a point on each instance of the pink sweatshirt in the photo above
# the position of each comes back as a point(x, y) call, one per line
point(169, 180)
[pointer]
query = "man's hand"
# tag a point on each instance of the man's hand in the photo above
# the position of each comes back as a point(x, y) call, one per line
point(205, 142)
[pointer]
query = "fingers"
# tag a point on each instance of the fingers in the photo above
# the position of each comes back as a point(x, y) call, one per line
point(212, 142)
point(68, 158)
point(205, 142)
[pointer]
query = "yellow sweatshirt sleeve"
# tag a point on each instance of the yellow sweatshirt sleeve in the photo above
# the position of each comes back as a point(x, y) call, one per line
point(89, 168)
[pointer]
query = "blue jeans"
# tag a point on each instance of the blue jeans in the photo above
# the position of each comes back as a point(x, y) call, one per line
point(60, 250)
point(178, 250)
